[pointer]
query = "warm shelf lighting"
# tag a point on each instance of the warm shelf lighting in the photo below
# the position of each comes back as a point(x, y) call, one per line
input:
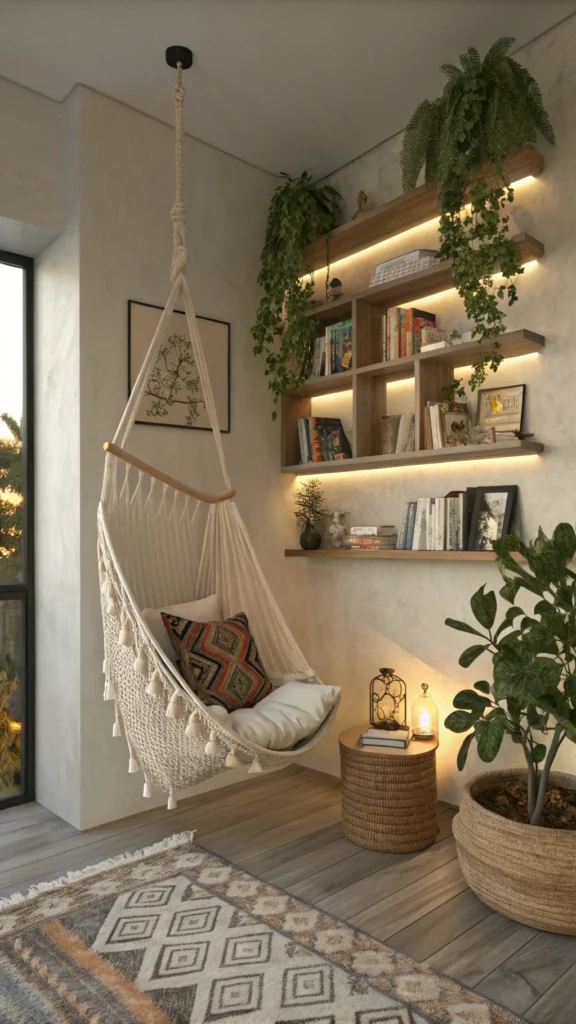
point(466, 466)
point(403, 234)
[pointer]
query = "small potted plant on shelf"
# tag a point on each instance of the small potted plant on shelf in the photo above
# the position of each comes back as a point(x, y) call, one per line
point(516, 829)
point(309, 501)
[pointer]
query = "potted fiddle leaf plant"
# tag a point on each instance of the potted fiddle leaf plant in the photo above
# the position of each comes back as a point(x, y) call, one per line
point(300, 212)
point(489, 109)
point(516, 828)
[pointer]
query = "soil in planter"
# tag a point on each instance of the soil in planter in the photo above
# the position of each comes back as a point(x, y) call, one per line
point(511, 801)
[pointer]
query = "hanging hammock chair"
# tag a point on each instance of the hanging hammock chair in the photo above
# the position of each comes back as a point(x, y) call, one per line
point(161, 542)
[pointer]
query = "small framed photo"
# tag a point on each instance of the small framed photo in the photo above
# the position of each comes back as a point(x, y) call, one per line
point(491, 516)
point(501, 408)
point(456, 425)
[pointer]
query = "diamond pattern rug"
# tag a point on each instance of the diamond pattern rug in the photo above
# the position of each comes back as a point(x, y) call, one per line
point(176, 935)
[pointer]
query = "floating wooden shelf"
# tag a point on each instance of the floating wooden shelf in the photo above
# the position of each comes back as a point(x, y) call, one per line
point(404, 212)
point(403, 290)
point(429, 456)
point(400, 556)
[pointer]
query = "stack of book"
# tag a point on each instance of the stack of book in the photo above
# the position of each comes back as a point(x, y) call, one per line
point(437, 524)
point(322, 439)
point(445, 424)
point(407, 263)
point(402, 331)
point(398, 433)
point(386, 737)
point(371, 538)
point(332, 351)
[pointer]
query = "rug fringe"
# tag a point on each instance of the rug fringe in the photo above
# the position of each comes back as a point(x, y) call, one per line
point(178, 839)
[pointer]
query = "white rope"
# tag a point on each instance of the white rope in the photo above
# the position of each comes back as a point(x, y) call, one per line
point(178, 211)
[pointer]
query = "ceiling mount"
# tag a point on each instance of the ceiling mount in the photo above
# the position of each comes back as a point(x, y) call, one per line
point(179, 55)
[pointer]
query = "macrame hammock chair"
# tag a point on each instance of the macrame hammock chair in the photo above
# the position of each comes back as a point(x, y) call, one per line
point(156, 548)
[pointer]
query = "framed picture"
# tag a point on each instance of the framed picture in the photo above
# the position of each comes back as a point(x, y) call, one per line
point(491, 516)
point(456, 423)
point(173, 396)
point(501, 408)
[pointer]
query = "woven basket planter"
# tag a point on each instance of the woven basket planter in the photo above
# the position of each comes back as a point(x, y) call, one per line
point(523, 871)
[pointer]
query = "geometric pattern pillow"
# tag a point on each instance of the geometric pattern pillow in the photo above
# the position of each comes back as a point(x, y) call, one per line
point(219, 660)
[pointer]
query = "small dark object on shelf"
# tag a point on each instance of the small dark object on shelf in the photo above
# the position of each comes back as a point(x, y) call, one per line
point(387, 701)
point(310, 539)
point(334, 289)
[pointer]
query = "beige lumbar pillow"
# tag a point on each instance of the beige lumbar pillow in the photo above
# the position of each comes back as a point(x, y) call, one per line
point(207, 609)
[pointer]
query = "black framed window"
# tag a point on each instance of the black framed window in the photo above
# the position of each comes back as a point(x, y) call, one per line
point(16, 530)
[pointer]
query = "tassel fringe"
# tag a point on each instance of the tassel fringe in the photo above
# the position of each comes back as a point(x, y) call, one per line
point(155, 687)
point(146, 791)
point(255, 768)
point(141, 664)
point(133, 765)
point(172, 804)
point(176, 707)
point(213, 745)
point(195, 727)
point(232, 761)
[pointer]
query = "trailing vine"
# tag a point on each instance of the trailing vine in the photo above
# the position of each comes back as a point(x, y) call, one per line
point(488, 110)
point(300, 211)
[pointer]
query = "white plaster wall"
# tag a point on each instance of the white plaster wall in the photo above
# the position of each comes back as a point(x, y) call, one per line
point(365, 615)
point(30, 169)
point(57, 471)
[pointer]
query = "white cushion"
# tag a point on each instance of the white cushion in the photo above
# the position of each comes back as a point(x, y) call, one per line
point(207, 609)
point(292, 712)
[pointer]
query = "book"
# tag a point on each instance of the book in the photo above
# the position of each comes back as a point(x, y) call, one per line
point(383, 336)
point(372, 531)
point(394, 315)
point(433, 336)
point(334, 444)
point(318, 366)
point(402, 332)
point(401, 541)
point(440, 525)
point(430, 523)
point(419, 536)
point(386, 737)
point(407, 257)
point(412, 505)
point(389, 432)
point(405, 433)
point(339, 347)
point(421, 319)
point(452, 522)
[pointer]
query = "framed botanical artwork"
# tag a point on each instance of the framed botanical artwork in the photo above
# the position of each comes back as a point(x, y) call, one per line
point(501, 408)
point(491, 516)
point(173, 396)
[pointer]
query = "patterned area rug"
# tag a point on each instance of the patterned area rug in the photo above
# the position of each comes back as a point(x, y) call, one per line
point(176, 935)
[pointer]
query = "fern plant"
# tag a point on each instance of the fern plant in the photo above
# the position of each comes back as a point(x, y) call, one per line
point(488, 110)
point(300, 211)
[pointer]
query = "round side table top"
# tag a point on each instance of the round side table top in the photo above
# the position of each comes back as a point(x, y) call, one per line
point(351, 738)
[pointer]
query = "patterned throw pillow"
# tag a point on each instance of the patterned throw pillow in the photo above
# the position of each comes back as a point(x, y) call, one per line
point(219, 660)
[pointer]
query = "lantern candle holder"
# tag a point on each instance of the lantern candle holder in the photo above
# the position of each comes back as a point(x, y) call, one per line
point(424, 716)
point(387, 701)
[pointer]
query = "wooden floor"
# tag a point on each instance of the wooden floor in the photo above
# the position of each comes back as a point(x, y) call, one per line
point(285, 828)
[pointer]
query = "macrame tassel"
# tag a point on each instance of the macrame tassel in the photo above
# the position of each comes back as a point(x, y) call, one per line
point(213, 745)
point(126, 638)
point(171, 805)
point(146, 791)
point(155, 687)
point(231, 760)
point(255, 768)
point(176, 707)
point(133, 765)
point(141, 664)
point(104, 666)
point(111, 608)
point(116, 730)
point(194, 727)
point(109, 690)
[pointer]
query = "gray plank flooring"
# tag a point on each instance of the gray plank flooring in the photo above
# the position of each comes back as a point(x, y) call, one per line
point(285, 827)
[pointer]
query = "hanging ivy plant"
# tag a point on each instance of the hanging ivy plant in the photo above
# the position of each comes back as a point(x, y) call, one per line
point(489, 109)
point(300, 211)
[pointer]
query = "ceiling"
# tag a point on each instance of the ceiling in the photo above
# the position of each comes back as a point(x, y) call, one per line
point(286, 85)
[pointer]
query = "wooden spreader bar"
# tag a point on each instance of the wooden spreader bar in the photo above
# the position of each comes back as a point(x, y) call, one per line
point(144, 467)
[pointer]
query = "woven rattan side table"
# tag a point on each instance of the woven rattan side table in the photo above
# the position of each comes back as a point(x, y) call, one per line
point(389, 799)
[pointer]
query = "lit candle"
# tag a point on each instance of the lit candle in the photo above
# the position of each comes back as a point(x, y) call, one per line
point(424, 716)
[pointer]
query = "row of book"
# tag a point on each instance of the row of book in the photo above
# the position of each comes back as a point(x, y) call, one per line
point(402, 331)
point(398, 433)
point(332, 351)
point(437, 524)
point(322, 439)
